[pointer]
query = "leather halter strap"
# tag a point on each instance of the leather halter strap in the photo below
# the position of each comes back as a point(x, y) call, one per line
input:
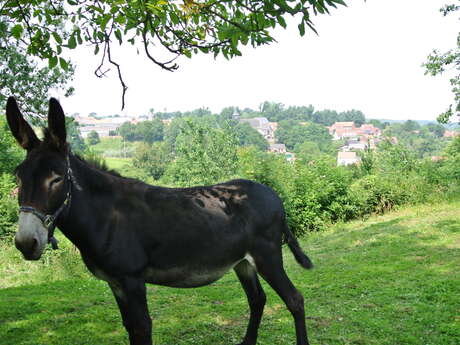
point(49, 220)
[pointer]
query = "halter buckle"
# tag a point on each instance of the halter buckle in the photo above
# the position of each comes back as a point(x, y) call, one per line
point(48, 221)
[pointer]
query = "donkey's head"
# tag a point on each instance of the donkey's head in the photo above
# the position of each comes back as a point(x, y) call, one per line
point(43, 178)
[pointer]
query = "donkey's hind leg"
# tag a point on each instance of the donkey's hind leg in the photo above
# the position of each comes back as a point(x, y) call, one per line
point(269, 264)
point(256, 298)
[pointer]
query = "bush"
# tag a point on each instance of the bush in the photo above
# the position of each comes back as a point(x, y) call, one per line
point(383, 192)
point(319, 196)
point(314, 195)
point(8, 205)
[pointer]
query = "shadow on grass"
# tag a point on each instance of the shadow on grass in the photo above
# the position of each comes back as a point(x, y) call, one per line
point(385, 283)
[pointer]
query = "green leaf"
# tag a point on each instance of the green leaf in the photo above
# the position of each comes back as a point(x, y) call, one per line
point(64, 64)
point(17, 31)
point(72, 42)
point(52, 61)
point(234, 40)
point(57, 37)
point(281, 21)
point(118, 36)
point(341, 2)
point(105, 20)
point(302, 29)
point(120, 19)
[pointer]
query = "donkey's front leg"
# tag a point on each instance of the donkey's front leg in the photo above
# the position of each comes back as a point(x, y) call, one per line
point(131, 297)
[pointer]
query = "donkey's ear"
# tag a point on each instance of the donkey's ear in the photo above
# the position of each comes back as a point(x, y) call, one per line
point(56, 123)
point(19, 127)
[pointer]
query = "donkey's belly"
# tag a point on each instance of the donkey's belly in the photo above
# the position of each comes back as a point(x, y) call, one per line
point(185, 277)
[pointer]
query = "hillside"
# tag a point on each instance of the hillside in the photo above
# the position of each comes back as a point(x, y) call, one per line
point(392, 279)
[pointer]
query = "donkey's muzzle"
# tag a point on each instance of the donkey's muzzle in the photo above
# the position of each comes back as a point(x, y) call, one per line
point(27, 247)
point(31, 237)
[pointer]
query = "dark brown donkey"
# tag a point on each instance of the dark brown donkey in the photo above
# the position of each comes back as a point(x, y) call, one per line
point(130, 233)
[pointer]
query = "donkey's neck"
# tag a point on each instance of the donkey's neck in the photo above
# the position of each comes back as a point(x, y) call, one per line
point(94, 192)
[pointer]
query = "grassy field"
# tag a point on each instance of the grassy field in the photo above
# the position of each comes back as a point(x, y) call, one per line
point(118, 164)
point(114, 147)
point(392, 280)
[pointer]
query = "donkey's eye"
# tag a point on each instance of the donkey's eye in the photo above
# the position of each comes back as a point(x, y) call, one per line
point(55, 180)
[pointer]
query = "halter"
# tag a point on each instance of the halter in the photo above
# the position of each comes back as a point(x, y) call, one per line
point(49, 220)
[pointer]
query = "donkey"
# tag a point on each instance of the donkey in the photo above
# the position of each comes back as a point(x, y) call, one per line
point(130, 233)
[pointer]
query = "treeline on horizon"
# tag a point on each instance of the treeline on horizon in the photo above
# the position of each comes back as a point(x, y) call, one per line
point(207, 149)
point(301, 128)
point(274, 112)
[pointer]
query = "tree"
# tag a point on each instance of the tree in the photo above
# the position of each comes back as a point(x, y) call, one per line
point(411, 126)
point(437, 129)
point(378, 123)
point(11, 154)
point(439, 62)
point(326, 117)
point(47, 29)
point(74, 137)
point(271, 110)
point(150, 131)
point(307, 151)
point(204, 155)
point(152, 159)
point(128, 131)
point(292, 133)
point(93, 138)
point(355, 116)
point(229, 112)
point(248, 136)
point(25, 78)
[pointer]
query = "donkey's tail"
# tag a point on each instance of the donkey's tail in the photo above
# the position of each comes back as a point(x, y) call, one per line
point(294, 246)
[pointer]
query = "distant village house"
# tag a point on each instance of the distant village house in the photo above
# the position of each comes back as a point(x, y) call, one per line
point(348, 130)
point(263, 126)
point(451, 134)
point(347, 158)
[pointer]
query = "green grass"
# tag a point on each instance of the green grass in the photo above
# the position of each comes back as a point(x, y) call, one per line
point(392, 279)
point(114, 147)
point(118, 164)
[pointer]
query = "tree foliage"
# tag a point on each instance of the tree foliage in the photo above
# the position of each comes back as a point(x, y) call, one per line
point(26, 79)
point(438, 63)
point(423, 141)
point(11, 154)
point(74, 137)
point(248, 136)
point(188, 27)
point(93, 138)
point(292, 133)
point(152, 159)
point(203, 155)
point(147, 131)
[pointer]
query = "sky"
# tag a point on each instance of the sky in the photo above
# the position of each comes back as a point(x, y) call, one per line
point(367, 56)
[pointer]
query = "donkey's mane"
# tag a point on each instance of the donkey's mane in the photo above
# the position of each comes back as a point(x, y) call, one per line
point(99, 165)
point(92, 162)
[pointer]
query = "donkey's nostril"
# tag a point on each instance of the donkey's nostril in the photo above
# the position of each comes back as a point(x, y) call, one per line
point(26, 246)
point(34, 245)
